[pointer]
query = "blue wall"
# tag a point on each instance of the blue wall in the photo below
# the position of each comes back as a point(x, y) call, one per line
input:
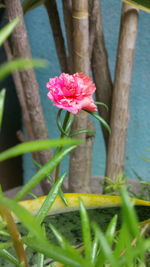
point(138, 137)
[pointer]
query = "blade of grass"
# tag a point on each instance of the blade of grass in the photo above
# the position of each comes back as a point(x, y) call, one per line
point(86, 232)
point(2, 99)
point(20, 64)
point(129, 214)
point(8, 256)
point(111, 228)
point(43, 172)
point(105, 247)
point(50, 199)
point(65, 244)
point(95, 247)
point(144, 4)
point(7, 30)
point(38, 240)
point(60, 192)
point(40, 260)
point(28, 5)
point(37, 145)
point(54, 252)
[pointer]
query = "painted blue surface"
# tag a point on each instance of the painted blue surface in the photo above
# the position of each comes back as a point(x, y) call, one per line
point(138, 137)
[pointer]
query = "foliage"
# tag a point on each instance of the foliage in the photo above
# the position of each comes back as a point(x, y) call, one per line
point(31, 4)
point(144, 4)
point(126, 247)
point(7, 30)
point(2, 99)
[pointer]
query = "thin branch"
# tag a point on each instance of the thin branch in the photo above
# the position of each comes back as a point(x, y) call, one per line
point(52, 11)
point(20, 48)
point(100, 68)
point(67, 13)
point(122, 84)
point(93, 16)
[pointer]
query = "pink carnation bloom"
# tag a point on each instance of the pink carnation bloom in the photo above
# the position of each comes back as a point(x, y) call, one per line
point(72, 92)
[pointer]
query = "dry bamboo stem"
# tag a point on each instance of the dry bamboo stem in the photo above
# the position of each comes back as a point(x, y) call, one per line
point(101, 72)
point(78, 182)
point(52, 11)
point(93, 13)
point(20, 94)
point(67, 12)
point(119, 114)
point(21, 49)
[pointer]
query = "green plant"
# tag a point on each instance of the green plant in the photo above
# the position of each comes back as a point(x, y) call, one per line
point(125, 246)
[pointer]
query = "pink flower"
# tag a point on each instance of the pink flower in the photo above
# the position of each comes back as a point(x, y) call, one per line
point(72, 92)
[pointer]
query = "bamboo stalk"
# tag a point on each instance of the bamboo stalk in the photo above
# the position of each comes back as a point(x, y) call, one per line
point(78, 178)
point(67, 13)
point(20, 49)
point(52, 11)
point(122, 84)
point(93, 13)
point(100, 68)
point(20, 94)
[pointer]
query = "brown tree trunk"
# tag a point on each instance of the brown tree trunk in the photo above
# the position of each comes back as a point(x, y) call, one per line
point(79, 179)
point(31, 91)
point(122, 84)
point(100, 69)
point(52, 11)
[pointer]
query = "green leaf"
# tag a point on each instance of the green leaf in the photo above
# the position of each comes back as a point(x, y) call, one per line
point(86, 232)
point(25, 217)
point(95, 247)
point(65, 245)
point(37, 145)
point(101, 120)
point(20, 64)
point(50, 199)
point(105, 247)
point(43, 172)
point(31, 4)
point(110, 232)
point(91, 133)
point(52, 182)
point(101, 104)
point(9, 257)
point(141, 4)
point(129, 214)
point(38, 240)
point(7, 30)
point(2, 6)
point(40, 260)
point(2, 99)
point(54, 252)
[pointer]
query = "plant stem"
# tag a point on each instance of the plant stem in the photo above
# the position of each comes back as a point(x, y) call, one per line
point(67, 13)
point(100, 68)
point(66, 119)
point(5, 213)
point(20, 49)
point(122, 84)
point(81, 62)
point(51, 7)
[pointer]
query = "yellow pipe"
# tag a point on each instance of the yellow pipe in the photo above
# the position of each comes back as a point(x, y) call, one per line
point(91, 201)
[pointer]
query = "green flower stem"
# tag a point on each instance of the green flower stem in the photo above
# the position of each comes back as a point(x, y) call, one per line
point(66, 127)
